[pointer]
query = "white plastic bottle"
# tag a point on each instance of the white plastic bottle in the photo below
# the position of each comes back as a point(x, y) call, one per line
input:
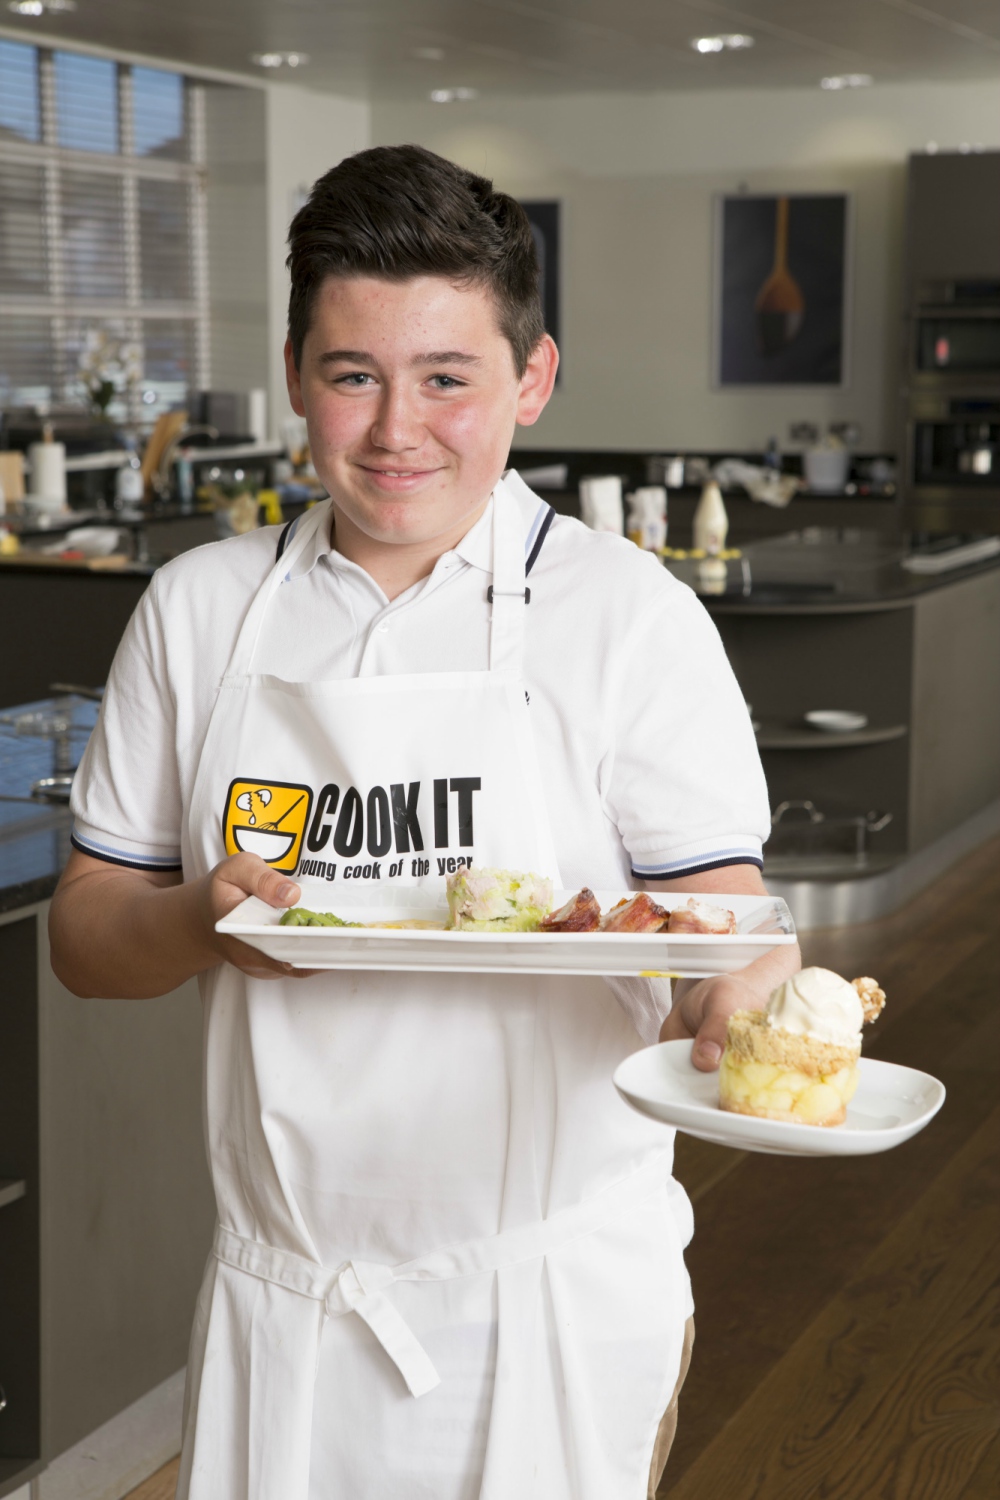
point(711, 523)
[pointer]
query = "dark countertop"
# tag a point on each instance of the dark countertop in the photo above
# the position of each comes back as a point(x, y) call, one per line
point(35, 835)
point(810, 572)
point(821, 570)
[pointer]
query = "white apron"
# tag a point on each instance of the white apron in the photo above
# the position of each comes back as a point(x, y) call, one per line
point(448, 1264)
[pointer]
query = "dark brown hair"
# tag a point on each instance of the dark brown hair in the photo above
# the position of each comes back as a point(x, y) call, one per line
point(401, 211)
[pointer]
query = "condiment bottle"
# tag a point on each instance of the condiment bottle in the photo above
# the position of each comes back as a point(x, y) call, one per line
point(711, 523)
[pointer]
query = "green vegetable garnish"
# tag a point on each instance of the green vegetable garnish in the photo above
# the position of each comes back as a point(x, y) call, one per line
point(300, 916)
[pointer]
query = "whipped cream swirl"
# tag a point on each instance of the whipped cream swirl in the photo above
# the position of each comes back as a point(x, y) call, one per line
point(818, 1003)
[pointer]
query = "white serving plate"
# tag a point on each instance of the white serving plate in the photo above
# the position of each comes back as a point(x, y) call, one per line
point(891, 1104)
point(764, 922)
point(836, 720)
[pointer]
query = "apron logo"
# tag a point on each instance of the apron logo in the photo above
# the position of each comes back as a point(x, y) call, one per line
point(268, 818)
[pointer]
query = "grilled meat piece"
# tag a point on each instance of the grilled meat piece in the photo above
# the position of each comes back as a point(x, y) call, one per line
point(582, 913)
point(635, 914)
point(699, 916)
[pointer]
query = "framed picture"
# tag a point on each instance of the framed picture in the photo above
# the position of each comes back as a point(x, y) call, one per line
point(544, 220)
point(781, 289)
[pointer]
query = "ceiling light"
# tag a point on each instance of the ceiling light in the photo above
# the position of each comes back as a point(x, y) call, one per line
point(429, 54)
point(40, 7)
point(452, 96)
point(730, 41)
point(280, 59)
point(847, 81)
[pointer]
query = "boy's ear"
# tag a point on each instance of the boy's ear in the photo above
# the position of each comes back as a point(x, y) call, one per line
point(293, 381)
point(537, 382)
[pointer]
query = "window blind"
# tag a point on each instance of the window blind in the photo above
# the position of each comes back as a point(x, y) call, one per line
point(19, 108)
point(102, 215)
point(22, 229)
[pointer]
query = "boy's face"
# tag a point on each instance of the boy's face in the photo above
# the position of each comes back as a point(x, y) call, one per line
point(411, 399)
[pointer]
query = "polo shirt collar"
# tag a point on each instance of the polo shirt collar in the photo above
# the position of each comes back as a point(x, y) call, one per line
point(476, 547)
point(320, 546)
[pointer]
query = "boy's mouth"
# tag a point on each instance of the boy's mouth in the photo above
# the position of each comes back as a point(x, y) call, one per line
point(386, 474)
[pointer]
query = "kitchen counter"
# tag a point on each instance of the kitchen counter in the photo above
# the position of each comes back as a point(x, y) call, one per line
point(824, 570)
point(34, 835)
point(831, 619)
point(43, 598)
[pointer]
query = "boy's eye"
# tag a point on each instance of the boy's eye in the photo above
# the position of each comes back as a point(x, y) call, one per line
point(355, 378)
point(446, 382)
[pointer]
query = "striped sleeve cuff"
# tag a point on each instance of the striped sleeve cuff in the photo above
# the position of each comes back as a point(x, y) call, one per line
point(694, 859)
point(118, 851)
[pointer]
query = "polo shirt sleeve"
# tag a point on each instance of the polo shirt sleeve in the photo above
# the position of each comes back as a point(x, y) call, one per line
point(686, 788)
point(126, 794)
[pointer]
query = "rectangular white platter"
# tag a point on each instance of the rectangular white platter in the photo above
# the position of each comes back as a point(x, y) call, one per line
point(763, 922)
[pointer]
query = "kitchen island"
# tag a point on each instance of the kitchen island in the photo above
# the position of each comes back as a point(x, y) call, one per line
point(837, 619)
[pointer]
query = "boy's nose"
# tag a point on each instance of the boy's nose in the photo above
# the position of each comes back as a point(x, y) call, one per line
point(396, 426)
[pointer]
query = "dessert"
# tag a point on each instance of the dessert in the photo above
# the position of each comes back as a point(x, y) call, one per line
point(797, 1059)
point(701, 916)
point(582, 913)
point(635, 914)
point(497, 900)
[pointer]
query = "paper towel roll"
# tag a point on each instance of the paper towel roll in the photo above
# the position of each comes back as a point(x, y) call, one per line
point(48, 475)
point(601, 503)
point(257, 415)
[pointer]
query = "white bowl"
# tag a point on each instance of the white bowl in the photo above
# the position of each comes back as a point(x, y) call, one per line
point(270, 844)
point(836, 720)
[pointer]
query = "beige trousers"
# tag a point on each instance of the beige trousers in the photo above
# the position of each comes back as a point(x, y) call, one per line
point(668, 1424)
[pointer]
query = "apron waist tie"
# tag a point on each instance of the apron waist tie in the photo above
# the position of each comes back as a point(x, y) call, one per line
point(359, 1286)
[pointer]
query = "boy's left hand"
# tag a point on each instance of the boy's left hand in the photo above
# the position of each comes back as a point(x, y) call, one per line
point(702, 1010)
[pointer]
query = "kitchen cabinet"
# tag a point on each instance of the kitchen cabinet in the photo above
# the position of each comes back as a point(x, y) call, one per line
point(106, 1209)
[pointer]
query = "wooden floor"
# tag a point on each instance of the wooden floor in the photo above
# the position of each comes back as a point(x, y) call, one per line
point(848, 1319)
point(161, 1485)
point(848, 1315)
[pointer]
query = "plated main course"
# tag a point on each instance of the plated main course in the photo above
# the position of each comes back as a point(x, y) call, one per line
point(487, 900)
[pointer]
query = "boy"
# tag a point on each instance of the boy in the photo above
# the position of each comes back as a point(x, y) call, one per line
point(449, 1259)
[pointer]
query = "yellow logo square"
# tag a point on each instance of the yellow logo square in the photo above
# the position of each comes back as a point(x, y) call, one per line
point(268, 818)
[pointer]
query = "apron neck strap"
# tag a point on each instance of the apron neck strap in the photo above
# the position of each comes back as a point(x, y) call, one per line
point(299, 541)
point(508, 593)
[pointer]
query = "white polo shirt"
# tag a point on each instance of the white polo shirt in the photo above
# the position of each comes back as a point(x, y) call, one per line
point(647, 755)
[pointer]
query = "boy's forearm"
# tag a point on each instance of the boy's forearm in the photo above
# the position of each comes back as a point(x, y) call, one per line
point(123, 935)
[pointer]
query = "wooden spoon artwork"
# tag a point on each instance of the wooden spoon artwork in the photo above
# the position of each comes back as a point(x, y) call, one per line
point(780, 305)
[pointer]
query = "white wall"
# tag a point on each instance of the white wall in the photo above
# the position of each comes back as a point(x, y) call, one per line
point(637, 175)
point(307, 133)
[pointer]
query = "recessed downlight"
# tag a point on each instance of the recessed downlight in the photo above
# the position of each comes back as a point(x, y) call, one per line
point(40, 7)
point(847, 81)
point(453, 96)
point(280, 59)
point(729, 41)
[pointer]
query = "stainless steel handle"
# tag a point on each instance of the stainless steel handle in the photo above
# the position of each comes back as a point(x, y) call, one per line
point(802, 805)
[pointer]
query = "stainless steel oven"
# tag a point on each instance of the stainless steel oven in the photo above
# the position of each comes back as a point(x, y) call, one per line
point(950, 396)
